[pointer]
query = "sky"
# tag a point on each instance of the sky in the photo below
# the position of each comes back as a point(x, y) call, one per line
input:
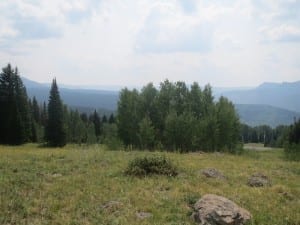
point(232, 43)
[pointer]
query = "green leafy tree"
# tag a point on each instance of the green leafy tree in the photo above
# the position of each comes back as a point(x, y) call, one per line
point(228, 125)
point(55, 132)
point(196, 100)
point(180, 96)
point(177, 117)
point(146, 134)
point(110, 137)
point(76, 128)
point(179, 131)
point(128, 117)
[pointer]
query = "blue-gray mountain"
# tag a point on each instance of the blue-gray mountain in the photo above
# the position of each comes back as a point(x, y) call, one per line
point(270, 103)
point(255, 115)
point(283, 95)
point(83, 99)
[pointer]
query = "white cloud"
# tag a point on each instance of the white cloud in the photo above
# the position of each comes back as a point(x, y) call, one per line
point(126, 42)
point(282, 33)
point(167, 30)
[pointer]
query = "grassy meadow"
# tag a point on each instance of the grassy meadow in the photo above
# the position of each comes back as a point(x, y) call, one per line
point(87, 185)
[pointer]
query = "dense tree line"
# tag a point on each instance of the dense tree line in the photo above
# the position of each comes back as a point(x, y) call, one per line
point(173, 117)
point(25, 120)
point(176, 117)
point(271, 137)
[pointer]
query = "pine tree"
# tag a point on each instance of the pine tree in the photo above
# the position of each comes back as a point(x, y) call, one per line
point(104, 119)
point(111, 119)
point(55, 132)
point(95, 118)
point(44, 115)
point(15, 124)
point(36, 110)
point(146, 134)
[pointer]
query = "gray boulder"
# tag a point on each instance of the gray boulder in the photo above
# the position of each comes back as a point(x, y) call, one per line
point(259, 180)
point(217, 210)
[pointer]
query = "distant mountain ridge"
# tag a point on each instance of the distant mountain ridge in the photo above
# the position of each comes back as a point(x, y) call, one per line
point(255, 115)
point(75, 98)
point(270, 103)
point(284, 95)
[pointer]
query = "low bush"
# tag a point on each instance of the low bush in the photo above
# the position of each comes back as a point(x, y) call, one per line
point(151, 165)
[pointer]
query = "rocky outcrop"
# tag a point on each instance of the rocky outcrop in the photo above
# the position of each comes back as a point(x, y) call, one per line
point(217, 210)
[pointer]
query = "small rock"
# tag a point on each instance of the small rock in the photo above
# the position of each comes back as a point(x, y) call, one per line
point(217, 210)
point(258, 180)
point(143, 215)
point(112, 206)
point(213, 173)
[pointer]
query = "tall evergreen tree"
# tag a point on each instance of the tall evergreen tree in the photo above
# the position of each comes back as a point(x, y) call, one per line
point(111, 119)
point(104, 119)
point(95, 118)
point(36, 110)
point(44, 114)
point(55, 132)
point(15, 124)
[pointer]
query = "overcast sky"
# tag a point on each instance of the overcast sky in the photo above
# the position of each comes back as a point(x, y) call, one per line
point(225, 43)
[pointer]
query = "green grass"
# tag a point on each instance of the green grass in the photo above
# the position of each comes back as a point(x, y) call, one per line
point(70, 186)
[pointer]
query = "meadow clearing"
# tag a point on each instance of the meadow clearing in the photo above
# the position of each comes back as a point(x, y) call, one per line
point(87, 185)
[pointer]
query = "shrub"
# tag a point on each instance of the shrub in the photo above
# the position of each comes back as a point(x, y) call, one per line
point(151, 165)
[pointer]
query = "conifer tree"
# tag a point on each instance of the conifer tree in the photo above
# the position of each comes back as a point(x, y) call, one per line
point(44, 115)
point(55, 132)
point(36, 110)
point(111, 119)
point(15, 124)
point(95, 118)
point(104, 119)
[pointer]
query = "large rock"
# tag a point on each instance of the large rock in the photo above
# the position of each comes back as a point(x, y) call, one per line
point(217, 210)
point(259, 180)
